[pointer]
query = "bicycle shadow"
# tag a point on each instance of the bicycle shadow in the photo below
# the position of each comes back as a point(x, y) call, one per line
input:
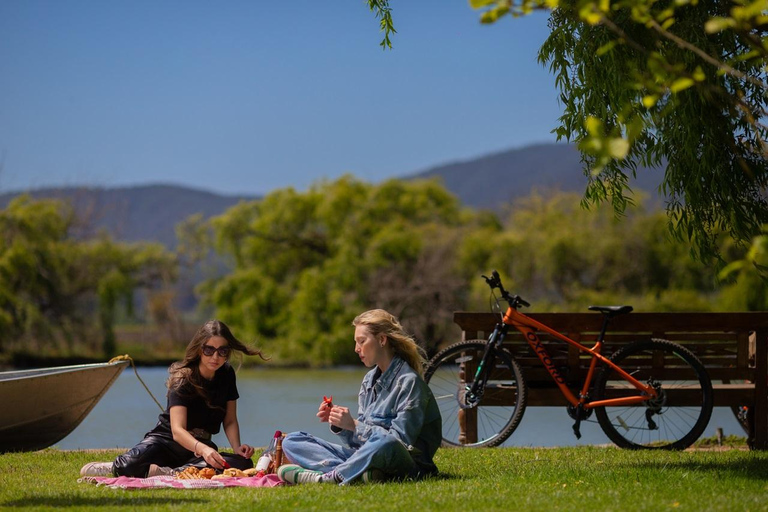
point(755, 468)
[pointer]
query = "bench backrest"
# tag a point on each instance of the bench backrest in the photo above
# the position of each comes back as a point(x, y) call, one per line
point(724, 342)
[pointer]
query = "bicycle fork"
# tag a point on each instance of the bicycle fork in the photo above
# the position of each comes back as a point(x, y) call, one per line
point(474, 392)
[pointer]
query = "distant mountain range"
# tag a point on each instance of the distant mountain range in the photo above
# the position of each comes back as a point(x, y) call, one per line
point(151, 212)
point(147, 212)
point(496, 180)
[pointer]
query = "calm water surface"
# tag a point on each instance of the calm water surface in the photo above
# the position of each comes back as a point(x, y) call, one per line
point(287, 400)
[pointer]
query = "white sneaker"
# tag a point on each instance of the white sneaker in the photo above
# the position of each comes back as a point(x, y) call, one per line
point(294, 474)
point(155, 470)
point(97, 469)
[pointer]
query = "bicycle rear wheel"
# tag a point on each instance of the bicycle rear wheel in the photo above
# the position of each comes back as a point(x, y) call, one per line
point(488, 421)
point(672, 421)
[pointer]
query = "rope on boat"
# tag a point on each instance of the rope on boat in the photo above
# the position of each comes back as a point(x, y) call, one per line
point(126, 357)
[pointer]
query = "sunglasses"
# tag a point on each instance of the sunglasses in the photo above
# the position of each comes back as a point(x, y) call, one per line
point(209, 350)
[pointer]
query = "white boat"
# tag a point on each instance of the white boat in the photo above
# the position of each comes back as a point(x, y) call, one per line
point(42, 406)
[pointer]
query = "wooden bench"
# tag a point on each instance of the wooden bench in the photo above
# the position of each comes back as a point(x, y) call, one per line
point(732, 346)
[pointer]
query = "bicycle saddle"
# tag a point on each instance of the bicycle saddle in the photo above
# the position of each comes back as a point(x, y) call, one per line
point(612, 311)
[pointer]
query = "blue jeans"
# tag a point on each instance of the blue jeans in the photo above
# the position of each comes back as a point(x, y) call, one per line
point(385, 453)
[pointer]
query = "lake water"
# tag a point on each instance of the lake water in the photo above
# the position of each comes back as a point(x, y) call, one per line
point(287, 400)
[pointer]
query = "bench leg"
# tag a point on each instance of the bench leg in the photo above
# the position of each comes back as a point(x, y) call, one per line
point(467, 426)
point(467, 417)
point(760, 431)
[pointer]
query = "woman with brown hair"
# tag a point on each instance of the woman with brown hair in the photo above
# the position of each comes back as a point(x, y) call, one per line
point(202, 397)
point(397, 429)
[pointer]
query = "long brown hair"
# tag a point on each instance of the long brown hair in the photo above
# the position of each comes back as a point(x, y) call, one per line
point(379, 322)
point(188, 369)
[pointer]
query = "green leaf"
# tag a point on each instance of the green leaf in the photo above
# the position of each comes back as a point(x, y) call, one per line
point(590, 13)
point(593, 125)
point(668, 23)
point(607, 47)
point(650, 100)
point(665, 15)
point(681, 84)
point(730, 269)
point(494, 14)
point(715, 25)
point(618, 148)
point(479, 4)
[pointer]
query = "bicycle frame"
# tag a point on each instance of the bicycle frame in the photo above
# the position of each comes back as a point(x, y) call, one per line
point(528, 327)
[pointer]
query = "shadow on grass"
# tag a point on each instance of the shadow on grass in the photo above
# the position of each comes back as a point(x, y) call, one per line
point(444, 476)
point(97, 501)
point(753, 469)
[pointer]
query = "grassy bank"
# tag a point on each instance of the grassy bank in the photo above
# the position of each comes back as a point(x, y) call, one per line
point(582, 478)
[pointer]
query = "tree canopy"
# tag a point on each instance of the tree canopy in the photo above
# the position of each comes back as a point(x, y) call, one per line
point(58, 289)
point(680, 84)
point(305, 263)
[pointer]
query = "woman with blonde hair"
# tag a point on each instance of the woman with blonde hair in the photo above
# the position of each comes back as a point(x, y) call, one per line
point(397, 429)
point(202, 397)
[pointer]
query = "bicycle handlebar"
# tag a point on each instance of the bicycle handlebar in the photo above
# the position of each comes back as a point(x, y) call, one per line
point(495, 282)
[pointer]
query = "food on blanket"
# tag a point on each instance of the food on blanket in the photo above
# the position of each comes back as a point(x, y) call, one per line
point(189, 473)
point(194, 473)
point(219, 477)
point(206, 473)
point(250, 472)
point(233, 472)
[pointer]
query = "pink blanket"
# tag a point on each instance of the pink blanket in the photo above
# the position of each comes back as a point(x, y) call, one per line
point(165, 482)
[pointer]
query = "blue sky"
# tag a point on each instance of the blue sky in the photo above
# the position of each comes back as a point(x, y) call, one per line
point(248, 96)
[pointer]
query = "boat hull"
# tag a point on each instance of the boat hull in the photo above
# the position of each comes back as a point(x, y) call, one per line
point(41, 407)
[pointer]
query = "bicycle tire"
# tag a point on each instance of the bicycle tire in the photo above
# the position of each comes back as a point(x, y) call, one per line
point(506, 385)
point(684, 406)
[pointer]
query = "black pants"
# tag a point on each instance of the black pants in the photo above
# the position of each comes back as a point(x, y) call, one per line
point(166, 452)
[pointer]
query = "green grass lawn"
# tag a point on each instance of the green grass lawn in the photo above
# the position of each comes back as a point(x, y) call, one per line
point(579, 478)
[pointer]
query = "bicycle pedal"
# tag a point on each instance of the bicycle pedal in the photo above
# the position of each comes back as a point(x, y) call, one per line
point(576, 430)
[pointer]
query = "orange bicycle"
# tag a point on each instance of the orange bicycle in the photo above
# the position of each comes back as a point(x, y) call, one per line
point(649, 394)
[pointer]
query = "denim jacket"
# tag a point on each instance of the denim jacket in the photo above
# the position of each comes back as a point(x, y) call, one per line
point(397, 403)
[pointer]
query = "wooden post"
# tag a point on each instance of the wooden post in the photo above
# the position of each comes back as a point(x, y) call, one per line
point(761, 390)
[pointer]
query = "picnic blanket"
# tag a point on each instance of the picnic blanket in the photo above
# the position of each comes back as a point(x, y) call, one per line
point(165, 482)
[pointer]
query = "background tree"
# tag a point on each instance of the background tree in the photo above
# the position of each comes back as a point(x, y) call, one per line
point(306, 263)
point(562, 257)
point(746, 276)
point(59, 290)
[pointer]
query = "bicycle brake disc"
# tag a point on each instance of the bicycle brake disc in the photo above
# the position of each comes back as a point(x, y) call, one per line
point(467, 400)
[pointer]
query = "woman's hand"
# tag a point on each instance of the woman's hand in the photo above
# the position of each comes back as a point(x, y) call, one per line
point(211, 456)
point(323, 412)
point(339, 417)
point(245, 450)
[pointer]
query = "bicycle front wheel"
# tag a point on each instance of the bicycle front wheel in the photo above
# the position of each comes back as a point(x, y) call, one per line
point(676, 417)
point(490, 418)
